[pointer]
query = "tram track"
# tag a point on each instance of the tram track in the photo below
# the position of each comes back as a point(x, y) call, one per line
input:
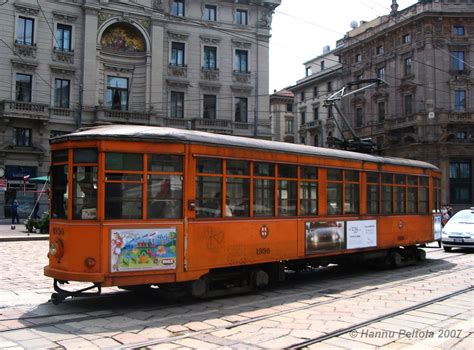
point(346, 330)
point(323, 292)
point(302, 308)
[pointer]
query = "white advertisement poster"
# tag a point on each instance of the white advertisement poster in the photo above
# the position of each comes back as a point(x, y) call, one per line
point(361, 234)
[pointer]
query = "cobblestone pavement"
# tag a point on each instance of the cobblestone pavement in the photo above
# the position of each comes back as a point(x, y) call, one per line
point(308, 306)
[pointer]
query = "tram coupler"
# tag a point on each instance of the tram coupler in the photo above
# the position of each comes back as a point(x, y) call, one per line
point(62, 294)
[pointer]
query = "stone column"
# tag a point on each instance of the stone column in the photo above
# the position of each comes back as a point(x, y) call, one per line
point(157, 63)
point(89, 78)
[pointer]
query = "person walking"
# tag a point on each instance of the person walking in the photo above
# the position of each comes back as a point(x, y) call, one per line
point(15, 216)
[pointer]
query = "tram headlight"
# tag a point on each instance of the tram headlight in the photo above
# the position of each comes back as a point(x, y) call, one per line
point(56, 248)
point(89, 262)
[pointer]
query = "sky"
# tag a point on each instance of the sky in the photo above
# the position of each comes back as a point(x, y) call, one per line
point(301, 28)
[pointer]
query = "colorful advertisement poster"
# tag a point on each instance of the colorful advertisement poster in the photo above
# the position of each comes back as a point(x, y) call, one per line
point(437, 227)
point(361, 234)
point(324, 236)
point(142, 249)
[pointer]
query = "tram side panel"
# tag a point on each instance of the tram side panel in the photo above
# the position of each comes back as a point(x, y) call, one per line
point(397, 231)
point(234, 243)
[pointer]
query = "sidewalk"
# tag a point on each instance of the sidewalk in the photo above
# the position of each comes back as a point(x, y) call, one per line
point(20, 233)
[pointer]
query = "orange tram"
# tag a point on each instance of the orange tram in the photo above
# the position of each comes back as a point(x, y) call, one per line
point(212, 214)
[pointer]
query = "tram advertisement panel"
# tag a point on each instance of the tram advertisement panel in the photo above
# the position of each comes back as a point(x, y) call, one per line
point(324, 236)
point(361, 234)
point(142, 249)
point(338, 235)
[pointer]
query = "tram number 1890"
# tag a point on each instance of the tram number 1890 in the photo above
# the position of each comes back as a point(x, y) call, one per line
point(263, 251)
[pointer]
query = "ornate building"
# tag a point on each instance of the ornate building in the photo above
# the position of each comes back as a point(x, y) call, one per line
point(426, 109)
point(322, 77)
point(282, 116)
point(198, 64)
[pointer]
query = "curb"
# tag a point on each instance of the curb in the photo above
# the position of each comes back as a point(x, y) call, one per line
point(25, 238)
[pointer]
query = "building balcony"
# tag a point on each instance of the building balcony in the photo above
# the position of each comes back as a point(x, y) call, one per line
point(459, 117)
point(178, 71)
point(25, 50)
point(241, 77)
point(213, 125)
point(26, 110)
point(60, 112)
point(310, 126)
point(180, 123)
point(209, 74)
point(401, 123)
point(63, 56)
point(104, 115)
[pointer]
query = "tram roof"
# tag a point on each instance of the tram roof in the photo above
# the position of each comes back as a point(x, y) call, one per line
point(155, 133)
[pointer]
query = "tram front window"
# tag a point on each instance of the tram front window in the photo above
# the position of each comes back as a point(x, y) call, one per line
point(84, 201)
point(59, 184)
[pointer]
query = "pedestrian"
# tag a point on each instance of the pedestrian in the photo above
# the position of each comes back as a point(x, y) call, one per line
point(15, 216)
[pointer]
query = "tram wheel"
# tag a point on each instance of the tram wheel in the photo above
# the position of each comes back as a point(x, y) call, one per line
point(447, 249)
point(56, 299)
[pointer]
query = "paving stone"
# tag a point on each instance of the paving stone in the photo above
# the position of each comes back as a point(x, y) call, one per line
point(281, 343)
point(196, 344)
point(106, 343)
point(198, 326)
point(177, 329)
point(325, 346)
point(305, 334)
point(155, 333)
point(217, 322)
point(22, 334)
point(349, 344)
point(164, 346)
point(129, 338)
point(77, 343)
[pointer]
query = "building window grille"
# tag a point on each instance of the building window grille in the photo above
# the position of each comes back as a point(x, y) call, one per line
point(241, 110)
point(210, 13)
point(61, 93)
point(117, 93)
point(177, 104)
point(177, 54)
point(63, 37)
point(23, 87)
point(177, 8)
point(209, 108)
point(25, 31)
point(22, 137)
point(241, 61)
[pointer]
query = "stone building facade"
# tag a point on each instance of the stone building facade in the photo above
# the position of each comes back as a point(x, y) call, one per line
point(426, 109)
point(197, 64)
point(282, 116)
point(322, 78)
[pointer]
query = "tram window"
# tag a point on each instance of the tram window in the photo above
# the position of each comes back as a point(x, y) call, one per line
point(84, 197)
point(308, 190)
point(424, 195)
point(412, 200)
point(334, 198)
point(399, 199)
point(165, 196)
point(165, 163)
point(400, 179)
point(387, 179)
point(334, 174)
point(287, 197)
point(437, 194)
point(208, 196)
point(59, 186)
point(60, 156)
point(124, 161)
point(238, 167)
point(263, 197)
point(123, 177)
point(287, 171)
point(373, 193)
point(123, 200)
point(309, 173)
point(85, 155)
point(209, 166)
point(351, 176)
point(237, 197)
point(264, 169)
point(387, 199)
point(412, 180)
point(351, 199)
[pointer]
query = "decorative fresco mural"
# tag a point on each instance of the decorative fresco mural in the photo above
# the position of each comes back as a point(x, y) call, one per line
point(123, 37)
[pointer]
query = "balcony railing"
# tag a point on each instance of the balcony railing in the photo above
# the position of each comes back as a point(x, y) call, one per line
point(241, 77)
point(461, 117)
point(29, 110)
point(213, 125)
point(109, 115)
point(60, 112)
point(209, 74)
